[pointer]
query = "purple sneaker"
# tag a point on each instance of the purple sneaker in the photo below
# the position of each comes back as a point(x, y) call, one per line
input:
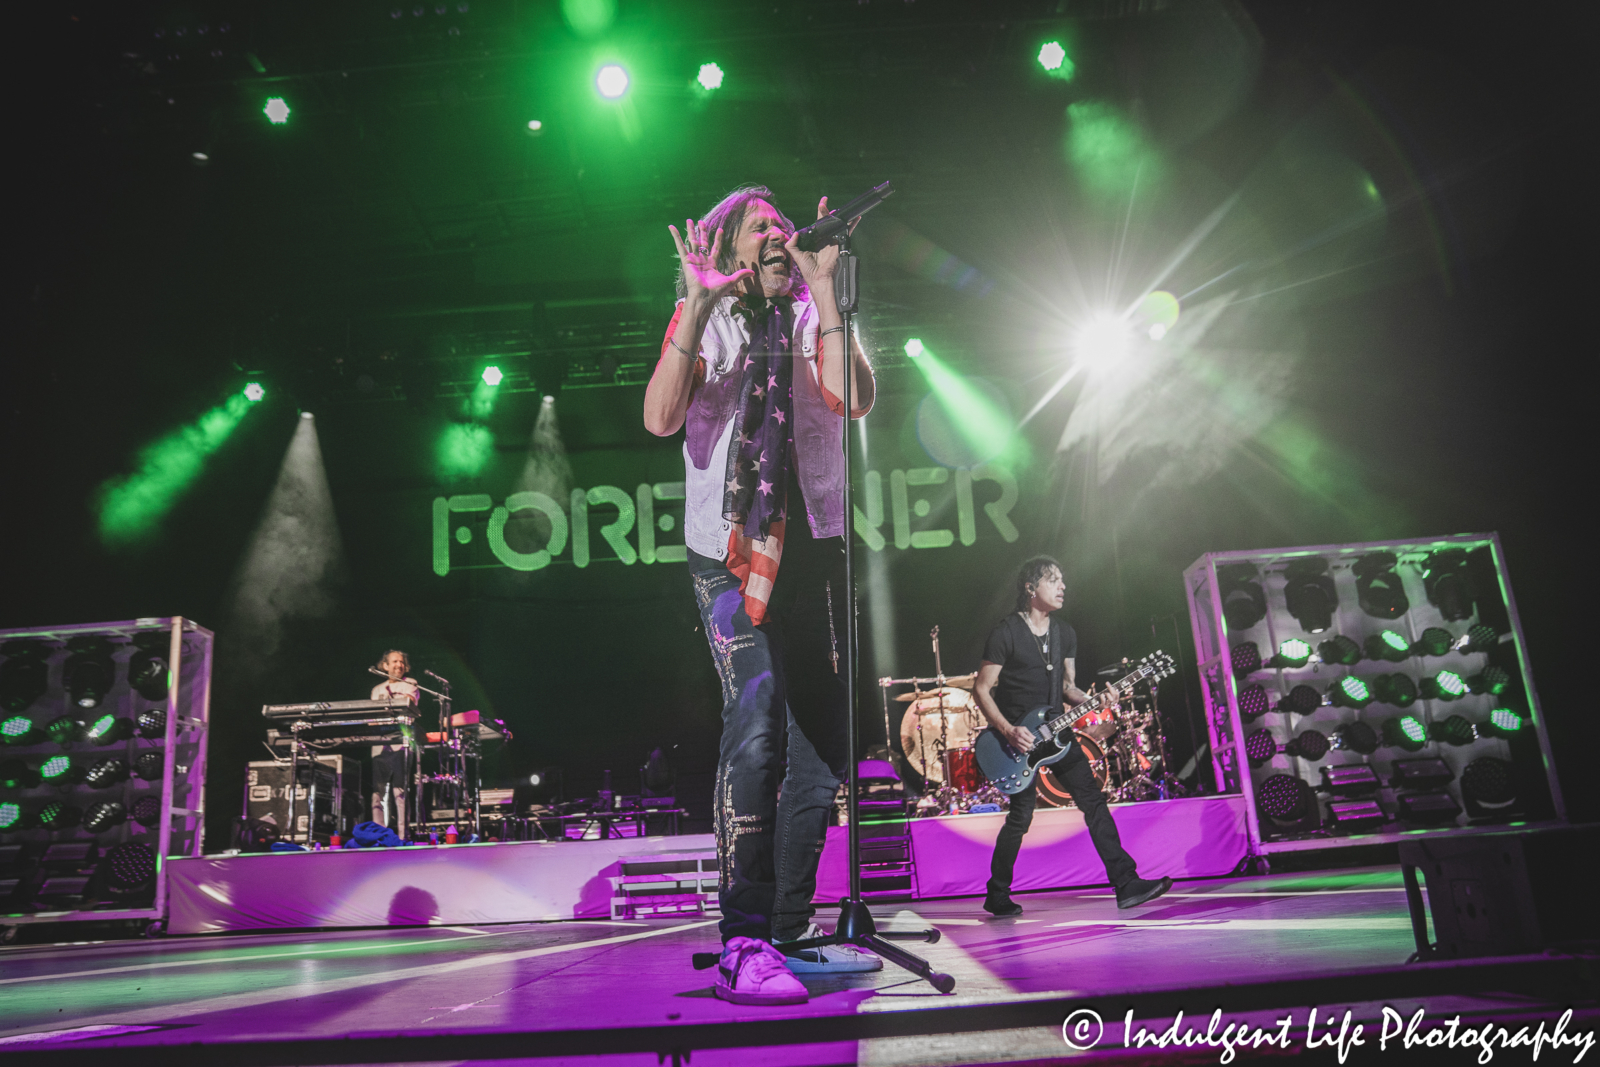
point(753, 972)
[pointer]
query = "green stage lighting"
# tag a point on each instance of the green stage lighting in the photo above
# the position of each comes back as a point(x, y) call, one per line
point(1293, 653)
point(1493, 681)
point(254, 392)
point(1396, 689)
point(108, 730)
point(534, 125)
point(710, 76)
point(492, 376)
point(10, 816)
point(56, 768)
point(1504, 721)
point(64, 729)
point(15, 730)
point(59, 816)
point(1446, 686)
point(612, 81)
point(1435, 641)
point(276, 110)
point(915, 348)
point(16, 774)
point(1053, 58)
point(1349, 692)
point(1405, 731)
point(1388, 645)
point(1479, 638)
point(1339, 651)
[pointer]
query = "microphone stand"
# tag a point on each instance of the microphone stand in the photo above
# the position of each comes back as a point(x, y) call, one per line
point(855, 925)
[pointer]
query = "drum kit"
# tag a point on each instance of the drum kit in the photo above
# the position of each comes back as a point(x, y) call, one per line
point(1124, 743)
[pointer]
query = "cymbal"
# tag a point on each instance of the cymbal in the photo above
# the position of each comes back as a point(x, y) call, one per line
point(915, 694)
point(1113, 670)
point(963, 681)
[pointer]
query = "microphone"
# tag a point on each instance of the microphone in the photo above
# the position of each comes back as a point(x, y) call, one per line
point(831, 226)
point(379, 672)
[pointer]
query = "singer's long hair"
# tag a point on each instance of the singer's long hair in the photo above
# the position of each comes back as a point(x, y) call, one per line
point(728, 215)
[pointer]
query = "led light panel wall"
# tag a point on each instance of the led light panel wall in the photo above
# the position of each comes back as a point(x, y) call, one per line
point(1400, 654)
point(102, 765)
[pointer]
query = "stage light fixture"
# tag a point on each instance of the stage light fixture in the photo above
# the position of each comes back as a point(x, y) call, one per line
point(1244, 602)
point(105, 773)
point(1103, 339)
point(64, 729)
point(1390, 645)
point(276, 109)
point(1285, 798)
point(1293, 653)
point(16, 774)
point(709, 77)
point(16, 730)
point(10, 816)
point(88, 673)
point(152, 722)
point(57, 769)
point(254, 392)
point(1353, 816)
point(1379, 591)
point(1455, 730)
point(1349, 692)
point(1246, 658)
point(1421, 774)
point(1302, 700)
point(1396, 689)
point(104, 815)
point(59, 815)
point(1492, 680)
point(148, 674)
point(1350, 780)
point(1489, 781)
point(1504, 721)
point(1339, 651)
point(1435, 641)
point(1446, 686)
point(1259, 747)
point(130, 867)
point(1053, 58)
point(1479, 638)
point(915, 348)
point(24, 676)
point(1309, 594)
point(148, 766)
point(1309, 745)
point(535, 125)
point(1253, 703)
point(1428, 809)
point(1449, 587)
point(1405, 731)
point(612, 81)
point(147, 811)
point(1355, 737)
point(492, 376)
point(542, 784)
point(108, 730)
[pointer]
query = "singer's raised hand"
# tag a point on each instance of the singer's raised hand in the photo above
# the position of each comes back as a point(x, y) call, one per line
point(698, 257)
point(818, 267)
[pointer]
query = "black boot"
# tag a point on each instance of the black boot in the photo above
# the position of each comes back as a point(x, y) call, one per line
point(1001, 907)
point(1141, 891)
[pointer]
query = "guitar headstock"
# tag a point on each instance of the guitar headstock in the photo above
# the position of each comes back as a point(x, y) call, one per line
point(1157, 665)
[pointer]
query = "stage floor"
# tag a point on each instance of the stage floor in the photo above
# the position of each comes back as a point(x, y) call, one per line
point(606, 977)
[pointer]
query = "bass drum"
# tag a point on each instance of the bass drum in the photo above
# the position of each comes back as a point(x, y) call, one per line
point(1053, 793)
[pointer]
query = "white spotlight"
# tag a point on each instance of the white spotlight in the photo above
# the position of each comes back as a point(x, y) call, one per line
point(1102, 338)
point(548, 399)
point(305, 415)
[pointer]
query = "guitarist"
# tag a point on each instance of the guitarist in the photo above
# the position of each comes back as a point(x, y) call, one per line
point(1029, 661)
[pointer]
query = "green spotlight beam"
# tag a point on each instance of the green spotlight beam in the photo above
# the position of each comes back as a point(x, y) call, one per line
point(986, 428)
point(132, 506)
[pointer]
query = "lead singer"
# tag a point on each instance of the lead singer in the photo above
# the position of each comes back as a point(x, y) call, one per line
point(753, 365)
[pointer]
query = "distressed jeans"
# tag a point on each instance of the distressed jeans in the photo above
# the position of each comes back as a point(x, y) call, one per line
point(782, 703)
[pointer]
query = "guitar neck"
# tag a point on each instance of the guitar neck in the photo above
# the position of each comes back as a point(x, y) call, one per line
point(1098, 702)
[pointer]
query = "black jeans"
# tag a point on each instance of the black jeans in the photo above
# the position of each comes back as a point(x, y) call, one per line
point(777, 679)
point(1074, 772)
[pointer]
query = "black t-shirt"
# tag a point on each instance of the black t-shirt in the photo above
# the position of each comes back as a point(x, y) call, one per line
point(1025, 683)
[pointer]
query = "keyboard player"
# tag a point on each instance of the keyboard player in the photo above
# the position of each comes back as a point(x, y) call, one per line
point(389, 761)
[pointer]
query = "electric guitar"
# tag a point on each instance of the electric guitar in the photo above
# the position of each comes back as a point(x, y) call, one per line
point(1012, 771)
